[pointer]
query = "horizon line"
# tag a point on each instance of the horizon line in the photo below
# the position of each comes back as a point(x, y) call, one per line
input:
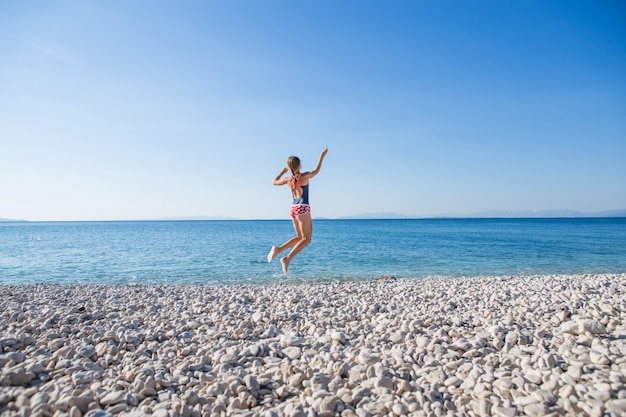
point(493, 214)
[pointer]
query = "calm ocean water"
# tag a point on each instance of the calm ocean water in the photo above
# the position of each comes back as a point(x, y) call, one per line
point(233, 252)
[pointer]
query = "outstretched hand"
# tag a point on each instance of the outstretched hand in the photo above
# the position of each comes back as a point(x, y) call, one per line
point(324, 152)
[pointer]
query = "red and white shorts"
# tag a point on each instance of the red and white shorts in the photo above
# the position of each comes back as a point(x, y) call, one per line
point(299, 209)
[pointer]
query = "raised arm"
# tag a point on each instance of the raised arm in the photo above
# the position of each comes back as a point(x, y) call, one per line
point(316, 171)
point(279, 180)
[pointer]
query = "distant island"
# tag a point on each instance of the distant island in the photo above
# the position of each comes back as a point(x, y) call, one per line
point(548, 214)
point(495, 214)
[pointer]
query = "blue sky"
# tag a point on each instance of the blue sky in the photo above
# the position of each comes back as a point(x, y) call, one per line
point(149, 109)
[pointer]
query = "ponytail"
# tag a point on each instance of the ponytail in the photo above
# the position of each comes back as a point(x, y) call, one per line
point(293, 163)
point(292, 181)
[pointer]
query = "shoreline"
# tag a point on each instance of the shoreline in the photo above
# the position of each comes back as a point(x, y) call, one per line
point(281, 280)
point(509, 346)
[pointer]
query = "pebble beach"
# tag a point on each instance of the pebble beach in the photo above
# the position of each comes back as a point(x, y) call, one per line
point(480, 346)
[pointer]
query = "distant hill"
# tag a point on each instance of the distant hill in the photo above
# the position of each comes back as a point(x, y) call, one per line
point(547, 214)
point(611, 213)
point(497, 214)
point(2, 219)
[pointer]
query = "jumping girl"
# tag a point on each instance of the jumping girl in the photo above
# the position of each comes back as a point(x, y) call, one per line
point(300, 210)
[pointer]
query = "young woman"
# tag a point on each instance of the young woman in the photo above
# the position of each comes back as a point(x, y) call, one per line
point(300, 210)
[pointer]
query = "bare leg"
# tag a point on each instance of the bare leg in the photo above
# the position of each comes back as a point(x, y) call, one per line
point(288, 244)
point(278, 249)
point(304, 229)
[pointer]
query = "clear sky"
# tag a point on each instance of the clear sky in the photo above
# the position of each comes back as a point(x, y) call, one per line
point(151, 109)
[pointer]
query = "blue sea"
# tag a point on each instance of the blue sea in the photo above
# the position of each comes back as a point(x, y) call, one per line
point(234, 252)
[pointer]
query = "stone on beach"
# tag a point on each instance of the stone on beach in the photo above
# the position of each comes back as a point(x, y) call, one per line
point(501, 346)
point(582, 326)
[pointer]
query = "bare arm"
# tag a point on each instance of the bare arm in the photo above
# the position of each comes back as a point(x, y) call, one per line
point(319, 164)
point(279, 180)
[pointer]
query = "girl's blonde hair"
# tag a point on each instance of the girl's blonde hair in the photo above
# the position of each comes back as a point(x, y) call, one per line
point(293, 163)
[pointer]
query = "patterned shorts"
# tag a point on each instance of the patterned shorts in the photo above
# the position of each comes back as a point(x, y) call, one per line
point(299, 209)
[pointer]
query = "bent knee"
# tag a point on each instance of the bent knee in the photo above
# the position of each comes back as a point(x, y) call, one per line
point(305, 240)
